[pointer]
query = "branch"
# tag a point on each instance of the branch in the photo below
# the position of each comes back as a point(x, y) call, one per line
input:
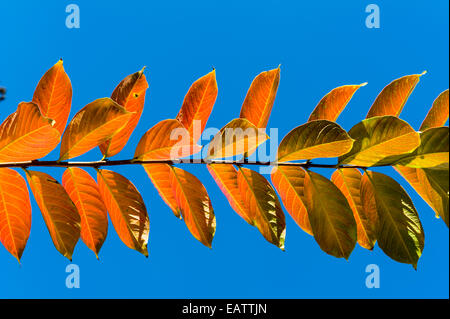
point(101, 163)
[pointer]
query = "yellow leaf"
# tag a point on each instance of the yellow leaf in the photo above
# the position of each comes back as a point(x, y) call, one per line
point(348, 180)
point(260, 98)
point(91, 126)
point(330, 215)
point(332, 104)
point(315, 139)
point(377, 139)
point(290, 184)
point(59, 212)
point(26, 135)
point(394, 96)
point(438, 114)
point(263, 206)
point(236, 138)
point(126, 209)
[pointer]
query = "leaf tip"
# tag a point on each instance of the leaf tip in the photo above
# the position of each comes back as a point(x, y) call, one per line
point(363, 84)
point(423, 73)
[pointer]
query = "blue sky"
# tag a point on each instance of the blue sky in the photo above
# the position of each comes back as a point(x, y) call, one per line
point(319, 44)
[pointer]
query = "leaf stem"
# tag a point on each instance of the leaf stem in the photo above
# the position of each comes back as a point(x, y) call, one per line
point(104, 162)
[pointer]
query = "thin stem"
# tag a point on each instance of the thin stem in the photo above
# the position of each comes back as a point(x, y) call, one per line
point(105, 162)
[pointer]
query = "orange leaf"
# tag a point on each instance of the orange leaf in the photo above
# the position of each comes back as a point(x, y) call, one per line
point(263, 206)
point(260, 98)
point(438, 114)
point(91, 126)
point(166, 140)
point(195, 205)
point(160, 175)
point(53, 95)
point(126, 209)
point(226, 178)
point(27, 135)
point(84, 192)
point(130, 93)
point(59, 212)
point(15, 212)
point(198, 104)
point(332, 104)
point(290, 184)
point(393, 97)
point(349, 182)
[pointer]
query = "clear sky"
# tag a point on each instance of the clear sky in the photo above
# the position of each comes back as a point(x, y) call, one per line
point(319, 44)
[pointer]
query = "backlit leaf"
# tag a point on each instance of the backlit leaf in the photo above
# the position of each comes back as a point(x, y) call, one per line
point(393, 97)
point(130, 93)
point(84, 193)
point(236, 138)
point(91, 126)
point(198, 104)
point(126, 209)
point(377, 139)
point(226, 178)
point(59, 212)
point(332, 104)
point(435, 184)
point(432, 152)
point(167, 140)
point(349, 182)
point(290, 185)
point(15, 212)
point(438, 114)
point(195, 205)
point(26, 135)
point(161, 177)
point(330, 215)
point(399, 231)
point(263, 206)
point(314, 139)
point(53, 95)
point(260, 98)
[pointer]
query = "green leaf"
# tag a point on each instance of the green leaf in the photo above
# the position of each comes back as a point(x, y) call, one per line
point(315, 139)
point(378, 139)
point(399, 231)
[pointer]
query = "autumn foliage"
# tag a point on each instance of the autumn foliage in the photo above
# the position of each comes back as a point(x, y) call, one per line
point(357, 205)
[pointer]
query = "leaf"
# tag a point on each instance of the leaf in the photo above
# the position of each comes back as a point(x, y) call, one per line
point(349, 182)
point(330, 215)
point(84, 193)
point(130, 93)
point(263, 206)
point(394, 96)
point(432, 152)
point(399, 231)
point(195, 205)
point(15, 212)
point(236, 138)
point(226, 177)
point(59, 212)
point(260, 98)
point(161, 175)
point(26, 135)
point(167, 140)
point(198, 104)
point(91, 126)
point(126, 209)
point(290, 185)
point(435, 185)
point(438, 114)
point(314, 139)
point(332, 104)
point(53, 95)
point(378, 138)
